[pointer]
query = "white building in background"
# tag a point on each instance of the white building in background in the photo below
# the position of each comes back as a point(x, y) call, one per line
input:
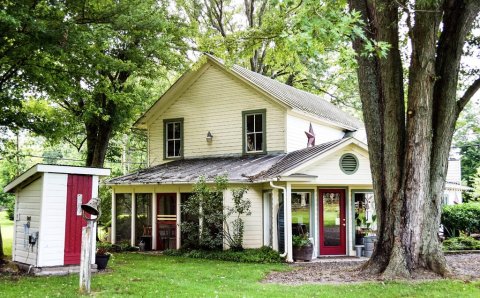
point(453, 183)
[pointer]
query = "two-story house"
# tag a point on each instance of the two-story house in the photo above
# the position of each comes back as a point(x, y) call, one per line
point(304, 161)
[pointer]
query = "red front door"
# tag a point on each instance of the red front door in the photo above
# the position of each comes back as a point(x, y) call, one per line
point(166, 221)
point(332, 222)
point(79, 191)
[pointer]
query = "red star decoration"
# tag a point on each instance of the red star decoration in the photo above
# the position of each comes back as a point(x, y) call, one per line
point(310, 136)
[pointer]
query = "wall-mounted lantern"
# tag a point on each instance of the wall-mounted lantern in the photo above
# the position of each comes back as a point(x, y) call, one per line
point(209, 137)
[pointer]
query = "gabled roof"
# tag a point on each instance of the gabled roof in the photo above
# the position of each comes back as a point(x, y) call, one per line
point(297, 100)
point(238, 169)
point(296, 158)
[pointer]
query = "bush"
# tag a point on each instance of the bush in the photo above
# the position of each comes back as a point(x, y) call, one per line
point(461, 217)
point(461, 243)
point(258, 255)
point(11, 210)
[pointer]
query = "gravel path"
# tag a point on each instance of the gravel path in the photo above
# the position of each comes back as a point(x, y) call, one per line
point(464, 266)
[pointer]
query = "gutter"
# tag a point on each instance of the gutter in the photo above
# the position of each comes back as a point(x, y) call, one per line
point(285, 245)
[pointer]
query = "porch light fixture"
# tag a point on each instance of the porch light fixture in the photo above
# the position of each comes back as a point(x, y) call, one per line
point(209, 137)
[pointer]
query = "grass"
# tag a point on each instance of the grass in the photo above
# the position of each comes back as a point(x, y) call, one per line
point(7, 233)
point(143, 275)
point(301, 215)
point(161, 276)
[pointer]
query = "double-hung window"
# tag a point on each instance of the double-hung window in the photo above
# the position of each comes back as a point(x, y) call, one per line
point(254, 131)
point(173, 138)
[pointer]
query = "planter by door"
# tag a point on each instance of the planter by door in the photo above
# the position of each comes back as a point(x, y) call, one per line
point(302, 253)
point(101, 261)
point(369, 245)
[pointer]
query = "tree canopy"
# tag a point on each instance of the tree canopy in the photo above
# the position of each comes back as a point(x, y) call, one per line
point(80, 70)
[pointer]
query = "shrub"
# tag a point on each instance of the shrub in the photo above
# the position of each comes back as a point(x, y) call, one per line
point(461, 217)
point(300, 240)
point(11, 210)
point(233, 231)
point(461, 243)
point(207, 223)
point(204, 208)
point(258, 255)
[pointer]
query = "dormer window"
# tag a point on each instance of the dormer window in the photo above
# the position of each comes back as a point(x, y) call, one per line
point(254, 131)
point(173, 138)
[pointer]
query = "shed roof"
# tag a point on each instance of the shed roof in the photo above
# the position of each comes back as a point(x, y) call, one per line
point(241, 169)
point(43, 168)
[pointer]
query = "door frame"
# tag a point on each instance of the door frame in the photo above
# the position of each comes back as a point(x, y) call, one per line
point(173, 221)
point(342, 248)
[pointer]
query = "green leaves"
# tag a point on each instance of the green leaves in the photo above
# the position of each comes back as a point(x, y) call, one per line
point(462, 217)
point(89, 59)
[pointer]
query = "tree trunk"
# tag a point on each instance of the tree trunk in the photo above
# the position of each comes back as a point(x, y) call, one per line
point(2, 254)
point(409, 151)
point(99, 132)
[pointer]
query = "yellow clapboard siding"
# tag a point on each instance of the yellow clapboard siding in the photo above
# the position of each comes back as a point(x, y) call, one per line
point(253, 224)
point(214, 102)
point(329, 172)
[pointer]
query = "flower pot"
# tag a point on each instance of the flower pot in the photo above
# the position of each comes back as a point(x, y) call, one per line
point(101, 261)
point(369, 245)
point(302, 253)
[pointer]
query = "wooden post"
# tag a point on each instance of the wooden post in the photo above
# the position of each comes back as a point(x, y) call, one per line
point(86, 258)
point(275, 205)
point(288, 222)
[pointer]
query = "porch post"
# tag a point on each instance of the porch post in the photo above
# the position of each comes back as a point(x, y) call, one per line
point(132, 219)
point(154, 220)
point(314, 222)
point(348, 219)
point(288, 222)
point(113, 230)
point(274, 219)
point(179, 220)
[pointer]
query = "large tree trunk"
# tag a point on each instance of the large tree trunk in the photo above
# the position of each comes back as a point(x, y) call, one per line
point(2, 254)
point(409, 150)
point(99, 132)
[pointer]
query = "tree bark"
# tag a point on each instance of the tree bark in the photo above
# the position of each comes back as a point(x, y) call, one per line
point(99, 132)
point(409, 150)
point(2, 254)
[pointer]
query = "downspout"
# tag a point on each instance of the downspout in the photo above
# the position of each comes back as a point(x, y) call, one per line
point(284, 217)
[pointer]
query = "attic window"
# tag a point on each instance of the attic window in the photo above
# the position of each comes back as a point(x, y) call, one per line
point(254, 134)
point(173, 138)
point(349, 163)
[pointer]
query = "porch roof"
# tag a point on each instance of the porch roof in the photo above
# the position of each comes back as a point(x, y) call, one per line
point(242, 169)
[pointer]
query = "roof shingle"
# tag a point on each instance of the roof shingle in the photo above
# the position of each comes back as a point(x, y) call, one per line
point(237, 168)
point(297, 99)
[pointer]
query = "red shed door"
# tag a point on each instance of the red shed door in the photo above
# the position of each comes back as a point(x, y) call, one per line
point(332, 222)
point(79, 191)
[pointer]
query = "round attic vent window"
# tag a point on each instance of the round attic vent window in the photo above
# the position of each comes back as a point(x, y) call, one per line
point(349, 163)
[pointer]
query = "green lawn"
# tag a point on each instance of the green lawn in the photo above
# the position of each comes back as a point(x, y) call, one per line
point(7, 233)
point(161, 276)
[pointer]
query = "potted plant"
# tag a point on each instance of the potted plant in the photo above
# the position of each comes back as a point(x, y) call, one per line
point(302, 248)
point(102, 255)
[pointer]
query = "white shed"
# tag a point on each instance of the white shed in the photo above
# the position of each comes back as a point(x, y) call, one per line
point(48, 221)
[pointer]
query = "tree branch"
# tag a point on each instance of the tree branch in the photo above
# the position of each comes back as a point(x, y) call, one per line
point(462, 102)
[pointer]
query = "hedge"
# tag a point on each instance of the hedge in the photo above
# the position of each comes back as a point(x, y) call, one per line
point(462, 217)
point(461, 243)
point(258, 255)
